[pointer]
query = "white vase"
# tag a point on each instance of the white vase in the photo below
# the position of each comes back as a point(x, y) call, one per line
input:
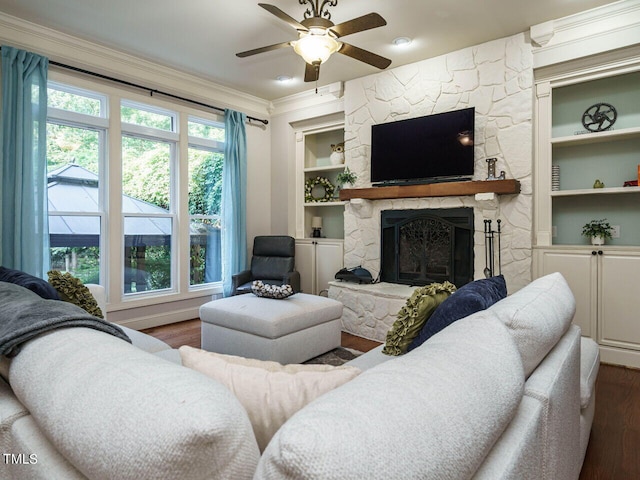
point(597, 240)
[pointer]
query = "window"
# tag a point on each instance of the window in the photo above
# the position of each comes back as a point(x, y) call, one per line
point(148, 179)
point(136, 251)
point(205, 193)
point(75, 156)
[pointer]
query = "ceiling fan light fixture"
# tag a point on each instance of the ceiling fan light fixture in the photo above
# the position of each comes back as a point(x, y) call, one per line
point(317, 45)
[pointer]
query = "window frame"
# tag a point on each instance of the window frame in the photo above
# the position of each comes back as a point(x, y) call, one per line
point(212, 146)
point(112, 234)
point(172, 140)
point(99, 124)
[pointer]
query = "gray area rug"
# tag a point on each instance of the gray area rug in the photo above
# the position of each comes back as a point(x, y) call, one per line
point(336, 357)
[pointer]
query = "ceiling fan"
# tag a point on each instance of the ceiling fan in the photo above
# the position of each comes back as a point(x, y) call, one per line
point(318, 37)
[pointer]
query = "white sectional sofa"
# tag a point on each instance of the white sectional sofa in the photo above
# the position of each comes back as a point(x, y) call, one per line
point(507, 393)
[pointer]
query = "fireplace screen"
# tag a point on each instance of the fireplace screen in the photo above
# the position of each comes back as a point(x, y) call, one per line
point(424, 246)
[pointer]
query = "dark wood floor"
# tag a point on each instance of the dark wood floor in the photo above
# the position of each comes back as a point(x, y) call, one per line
point(614, 447)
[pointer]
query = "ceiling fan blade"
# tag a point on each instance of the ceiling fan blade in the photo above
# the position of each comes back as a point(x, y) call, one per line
point(364, 56)
point(365, 22)
point(283, 16)
point(311, 72)
point(255, 51)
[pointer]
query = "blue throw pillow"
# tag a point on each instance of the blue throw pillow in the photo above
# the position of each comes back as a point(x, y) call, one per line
point(470, 298)
point(35, 284)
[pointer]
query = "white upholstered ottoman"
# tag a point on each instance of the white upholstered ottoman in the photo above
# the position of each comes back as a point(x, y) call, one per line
point(291, 330)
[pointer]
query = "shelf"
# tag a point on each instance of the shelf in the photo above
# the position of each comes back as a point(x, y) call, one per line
point(326, 168)
point(324, 204)
point(447, 189)
point(595, 191)
point(587, 138)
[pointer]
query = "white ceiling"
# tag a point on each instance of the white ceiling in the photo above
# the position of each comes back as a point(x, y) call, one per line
point(202, 36)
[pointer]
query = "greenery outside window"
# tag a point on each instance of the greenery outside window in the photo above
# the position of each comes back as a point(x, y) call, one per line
point(148, 181)
point(206, 153)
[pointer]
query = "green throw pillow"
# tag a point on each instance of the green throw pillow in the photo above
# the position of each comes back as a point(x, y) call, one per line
point(72, 290)
point(413, 316)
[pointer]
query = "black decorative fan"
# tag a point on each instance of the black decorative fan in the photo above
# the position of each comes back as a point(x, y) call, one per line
point(318, 36)
point(599, 117)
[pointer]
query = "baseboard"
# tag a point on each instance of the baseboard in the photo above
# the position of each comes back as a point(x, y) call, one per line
point(620, 356)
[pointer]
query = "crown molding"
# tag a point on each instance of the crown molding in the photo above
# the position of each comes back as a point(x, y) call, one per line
point(599, 30)
point(308, 99)
point(76, 52)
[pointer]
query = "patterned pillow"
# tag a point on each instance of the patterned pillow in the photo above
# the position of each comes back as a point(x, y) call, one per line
point(271, 291)
point(414, 314)
point(72, 290)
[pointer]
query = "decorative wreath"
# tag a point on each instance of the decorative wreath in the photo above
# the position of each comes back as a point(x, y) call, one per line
point(311, 183)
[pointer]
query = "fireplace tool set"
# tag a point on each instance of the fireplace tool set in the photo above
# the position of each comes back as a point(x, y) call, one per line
point(491, 237)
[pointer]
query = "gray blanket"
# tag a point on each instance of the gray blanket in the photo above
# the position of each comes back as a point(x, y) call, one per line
point(24, 314)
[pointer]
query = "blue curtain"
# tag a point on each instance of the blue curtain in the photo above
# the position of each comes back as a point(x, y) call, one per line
point(234, 198)
point(24, 230)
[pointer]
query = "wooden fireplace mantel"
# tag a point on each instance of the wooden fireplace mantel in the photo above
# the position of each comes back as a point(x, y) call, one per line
point(447, 189)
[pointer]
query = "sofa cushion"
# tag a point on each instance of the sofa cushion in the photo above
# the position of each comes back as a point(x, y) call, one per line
point(35, 284)
point(537, 316)
point(71, 289)
point(115, 411)
point(468, 299)
point(413, 315)
point(435, 412)
point(269, 392)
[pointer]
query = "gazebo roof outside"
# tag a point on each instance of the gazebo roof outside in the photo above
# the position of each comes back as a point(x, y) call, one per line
point(73, 188)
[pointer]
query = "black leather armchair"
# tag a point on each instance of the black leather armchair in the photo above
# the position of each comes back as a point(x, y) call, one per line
point(273, 262)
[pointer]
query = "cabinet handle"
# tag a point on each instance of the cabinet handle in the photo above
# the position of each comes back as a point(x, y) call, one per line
point(593, 252)
point(599, 252)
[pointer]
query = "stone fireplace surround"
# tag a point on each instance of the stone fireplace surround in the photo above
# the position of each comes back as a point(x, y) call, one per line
point(497, 79)
point(370, 310)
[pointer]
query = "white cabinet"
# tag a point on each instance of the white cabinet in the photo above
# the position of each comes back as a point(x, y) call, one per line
point(606, 284)
point(318, 260)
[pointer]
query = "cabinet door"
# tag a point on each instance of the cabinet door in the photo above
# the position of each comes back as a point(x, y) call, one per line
point(579, 269)
point(620, 300)
point(329, 259)
point(305, 264)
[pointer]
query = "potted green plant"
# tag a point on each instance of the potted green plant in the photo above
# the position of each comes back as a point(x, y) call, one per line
point(346, 176)
point(597, 230)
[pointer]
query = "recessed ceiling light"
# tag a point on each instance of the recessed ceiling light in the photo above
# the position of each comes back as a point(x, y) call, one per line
point(401, 41)
point(284, 78)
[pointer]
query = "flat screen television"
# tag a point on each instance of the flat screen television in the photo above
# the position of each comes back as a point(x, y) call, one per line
point(423, 149)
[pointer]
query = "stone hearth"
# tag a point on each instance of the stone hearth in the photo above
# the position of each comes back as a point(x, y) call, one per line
point(369, 310)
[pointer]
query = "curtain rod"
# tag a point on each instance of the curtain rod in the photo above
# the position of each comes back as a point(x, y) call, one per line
point(150, 90)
